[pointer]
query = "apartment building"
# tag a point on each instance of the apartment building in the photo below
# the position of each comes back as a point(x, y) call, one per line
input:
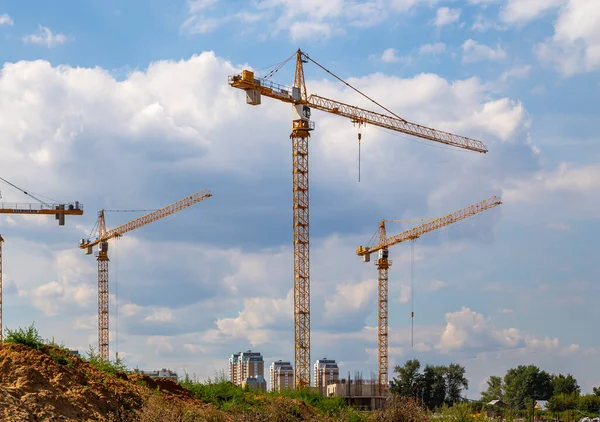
point(326, 372)
point(281, 376)
point(247, 368)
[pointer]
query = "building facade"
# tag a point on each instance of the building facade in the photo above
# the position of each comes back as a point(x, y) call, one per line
point(281, 376)
point(247, 368)
point(326, 372)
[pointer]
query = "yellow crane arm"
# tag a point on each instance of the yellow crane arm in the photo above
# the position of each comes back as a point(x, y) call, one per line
point(146, 219)
point(255, 86)
point(432, 225)
point(361, 115)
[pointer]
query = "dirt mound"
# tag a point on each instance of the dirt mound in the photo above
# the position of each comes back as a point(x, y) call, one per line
point(52, 385)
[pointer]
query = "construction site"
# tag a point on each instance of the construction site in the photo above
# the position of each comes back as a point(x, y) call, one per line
point(301, 370)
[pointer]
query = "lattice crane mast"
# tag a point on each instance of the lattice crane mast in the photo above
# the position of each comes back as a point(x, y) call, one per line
point(383, 264)
point(39, 208)
point(255, 87)
point(101, 239)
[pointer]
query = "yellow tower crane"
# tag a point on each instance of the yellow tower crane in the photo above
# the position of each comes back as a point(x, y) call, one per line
point(255, 87)
point(39, 208)
point(101, 239)
point(383, 264)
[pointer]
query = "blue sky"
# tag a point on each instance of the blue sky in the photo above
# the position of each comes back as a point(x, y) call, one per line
point(127, 106)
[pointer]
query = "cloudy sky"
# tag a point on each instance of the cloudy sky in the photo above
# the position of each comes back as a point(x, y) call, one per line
point(128, 107)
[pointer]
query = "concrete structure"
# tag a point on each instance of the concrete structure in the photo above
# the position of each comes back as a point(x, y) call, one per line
point(163, 373)
point(281, 376)
point(326, 372)
point(357, 393)
point(247, 368)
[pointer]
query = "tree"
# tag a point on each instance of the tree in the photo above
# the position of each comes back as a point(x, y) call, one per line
point(434, 386)
point(565, 385)
point(562, 402)
point(596, 391)
point(524, 383)
point(494, 390)
point(409, 380)
point(455, 383)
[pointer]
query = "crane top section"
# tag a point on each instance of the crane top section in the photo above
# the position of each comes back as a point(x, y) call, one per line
point(437, 223)
point(256, 87)
point(72, 208)
point(103, 235)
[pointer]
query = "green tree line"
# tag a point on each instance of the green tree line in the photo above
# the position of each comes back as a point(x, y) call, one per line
point(436, 385)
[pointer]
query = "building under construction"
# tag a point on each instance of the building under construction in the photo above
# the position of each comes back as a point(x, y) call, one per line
point(358, 392)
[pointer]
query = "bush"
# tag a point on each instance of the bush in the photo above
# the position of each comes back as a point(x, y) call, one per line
point(27, 337)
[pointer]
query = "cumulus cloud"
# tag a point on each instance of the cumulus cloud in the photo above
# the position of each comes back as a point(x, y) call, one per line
point(45, 37)
point(476, 52)
point(575, 46)
point(446, 16)
point(522, 11)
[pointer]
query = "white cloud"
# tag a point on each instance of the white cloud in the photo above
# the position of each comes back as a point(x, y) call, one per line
point(198, 5)
point(575, 46)
point(518, 72)
point(567, 178)
point(390, 55)
point(300, 31)
point(6, 20)
point(446, 16)
point(475, 52)
point(522, 11)
point(308, 21)
point(45, 37)
point(507, 311)
point(483, 23)
point(466, 329)
point(436, 48)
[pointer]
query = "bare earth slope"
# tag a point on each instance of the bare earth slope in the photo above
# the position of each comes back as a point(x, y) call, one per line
point(43, 386)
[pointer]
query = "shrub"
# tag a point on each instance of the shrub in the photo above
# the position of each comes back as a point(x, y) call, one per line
point(27, 337)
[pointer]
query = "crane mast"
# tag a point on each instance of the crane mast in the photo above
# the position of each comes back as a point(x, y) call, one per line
point(256, 87)
point(101, 240)
point(383, 263)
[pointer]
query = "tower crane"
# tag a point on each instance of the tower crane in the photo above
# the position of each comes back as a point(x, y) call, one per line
point(383, 264)
point(255, 87)
point(39, 208)
point(101, 239)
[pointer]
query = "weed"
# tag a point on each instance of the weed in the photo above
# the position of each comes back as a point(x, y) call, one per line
point(105, 365)
point(29, 337)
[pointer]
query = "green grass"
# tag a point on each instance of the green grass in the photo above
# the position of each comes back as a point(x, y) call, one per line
point(330, 406)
